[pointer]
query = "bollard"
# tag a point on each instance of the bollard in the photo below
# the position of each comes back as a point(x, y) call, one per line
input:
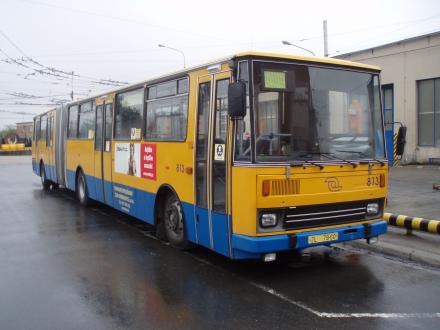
point(411, 223)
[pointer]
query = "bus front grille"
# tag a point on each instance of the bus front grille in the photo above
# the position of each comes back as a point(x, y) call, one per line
point(309, 216)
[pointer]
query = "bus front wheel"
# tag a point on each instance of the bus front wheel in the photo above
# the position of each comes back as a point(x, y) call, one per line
point(81, 189)
point(174, 223)
point(44, 181)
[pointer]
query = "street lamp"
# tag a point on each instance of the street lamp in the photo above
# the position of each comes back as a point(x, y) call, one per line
point(177, 50)
point(284, 42)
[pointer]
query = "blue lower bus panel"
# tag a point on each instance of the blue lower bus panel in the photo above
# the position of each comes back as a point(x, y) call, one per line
point(247, 247)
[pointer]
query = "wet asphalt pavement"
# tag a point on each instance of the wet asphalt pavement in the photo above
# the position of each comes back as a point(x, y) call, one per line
point(411, 192)
point(65, 267)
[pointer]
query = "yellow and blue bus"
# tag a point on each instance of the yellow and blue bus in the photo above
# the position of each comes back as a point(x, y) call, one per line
point(249, 156)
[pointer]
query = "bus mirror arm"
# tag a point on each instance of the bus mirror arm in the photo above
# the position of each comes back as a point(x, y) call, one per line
point(237, 100)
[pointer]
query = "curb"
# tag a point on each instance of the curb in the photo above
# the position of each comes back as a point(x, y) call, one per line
point(398, 251)
point(404, 221)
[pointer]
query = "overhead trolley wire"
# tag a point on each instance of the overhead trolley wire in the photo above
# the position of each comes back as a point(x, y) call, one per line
point(27, 62)
point(18, 112)
point(31, 104)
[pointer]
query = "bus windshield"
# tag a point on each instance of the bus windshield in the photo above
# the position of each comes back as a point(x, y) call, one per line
point(314, 113)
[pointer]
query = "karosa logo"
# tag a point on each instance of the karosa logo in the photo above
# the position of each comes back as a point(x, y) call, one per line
point(333, 184)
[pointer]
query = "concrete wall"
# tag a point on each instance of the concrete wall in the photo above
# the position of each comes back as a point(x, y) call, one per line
point(403, 63)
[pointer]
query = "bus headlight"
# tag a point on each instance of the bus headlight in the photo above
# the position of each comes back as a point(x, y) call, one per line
point(372, 208)
point(268, 220)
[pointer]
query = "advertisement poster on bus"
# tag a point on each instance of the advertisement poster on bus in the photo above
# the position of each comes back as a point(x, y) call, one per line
point(127, 159)
point(148, 161)
point(136, 159)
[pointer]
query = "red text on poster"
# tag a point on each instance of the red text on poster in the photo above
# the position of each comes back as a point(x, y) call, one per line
point(148, 161)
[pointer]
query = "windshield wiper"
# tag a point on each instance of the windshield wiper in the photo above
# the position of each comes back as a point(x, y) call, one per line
point(363, 154)
point(353, 152)
point(382, 163)
point(313, 163)
point(330, 156)
point(341, 159)
point(308, 154)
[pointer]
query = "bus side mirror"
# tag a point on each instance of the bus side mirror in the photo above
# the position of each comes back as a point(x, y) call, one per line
point(237, 100)
point(401, 141)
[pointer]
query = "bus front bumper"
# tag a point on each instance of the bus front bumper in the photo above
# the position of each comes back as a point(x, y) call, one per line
point(248, 247)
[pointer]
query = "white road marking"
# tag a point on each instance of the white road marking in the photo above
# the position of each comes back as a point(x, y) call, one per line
point(284, 297)
point(344, 315)
point(382, 315)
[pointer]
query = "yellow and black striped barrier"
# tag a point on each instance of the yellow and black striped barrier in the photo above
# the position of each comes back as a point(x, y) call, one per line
point(396, 161)
point(410, 223)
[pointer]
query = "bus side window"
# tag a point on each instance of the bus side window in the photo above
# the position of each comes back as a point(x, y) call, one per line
point(98, 129)
point(86, 121)
point(72, 129)
point(51, 130)
point(34, 130)
point(108, 126)
point(48, 130)
point(37, 131)
point(43, 128)
point(167, 111)
point(129, 115)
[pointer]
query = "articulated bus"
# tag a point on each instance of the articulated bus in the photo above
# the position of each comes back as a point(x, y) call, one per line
point(249, 156)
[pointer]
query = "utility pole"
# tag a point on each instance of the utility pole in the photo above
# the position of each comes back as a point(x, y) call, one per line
point(324, 26)
point(71, 85)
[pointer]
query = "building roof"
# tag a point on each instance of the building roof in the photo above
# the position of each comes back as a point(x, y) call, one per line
point(431, 34)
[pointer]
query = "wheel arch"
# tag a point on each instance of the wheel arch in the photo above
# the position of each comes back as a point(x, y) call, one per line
point(163, 192)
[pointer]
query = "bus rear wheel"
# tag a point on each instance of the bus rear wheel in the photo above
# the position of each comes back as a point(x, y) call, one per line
point(81, 189)
point(44, 181)
point(174, 223)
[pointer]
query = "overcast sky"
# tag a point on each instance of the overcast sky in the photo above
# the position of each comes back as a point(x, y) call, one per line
point(115, 39)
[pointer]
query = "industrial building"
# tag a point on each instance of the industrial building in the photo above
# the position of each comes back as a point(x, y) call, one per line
point(410, 92)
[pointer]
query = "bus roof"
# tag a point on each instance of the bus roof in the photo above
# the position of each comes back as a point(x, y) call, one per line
point(310, 59)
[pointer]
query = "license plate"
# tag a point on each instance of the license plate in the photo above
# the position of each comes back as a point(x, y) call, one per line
point(323, 238)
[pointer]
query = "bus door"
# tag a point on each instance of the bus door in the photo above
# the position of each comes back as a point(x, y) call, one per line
point(211, 163)
point(103, 148)
point(50, 152)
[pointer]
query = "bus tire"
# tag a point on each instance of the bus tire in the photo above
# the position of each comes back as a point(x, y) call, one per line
point(160, 231)
point(44, 181)
point(81, 189)
point(174, 223)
